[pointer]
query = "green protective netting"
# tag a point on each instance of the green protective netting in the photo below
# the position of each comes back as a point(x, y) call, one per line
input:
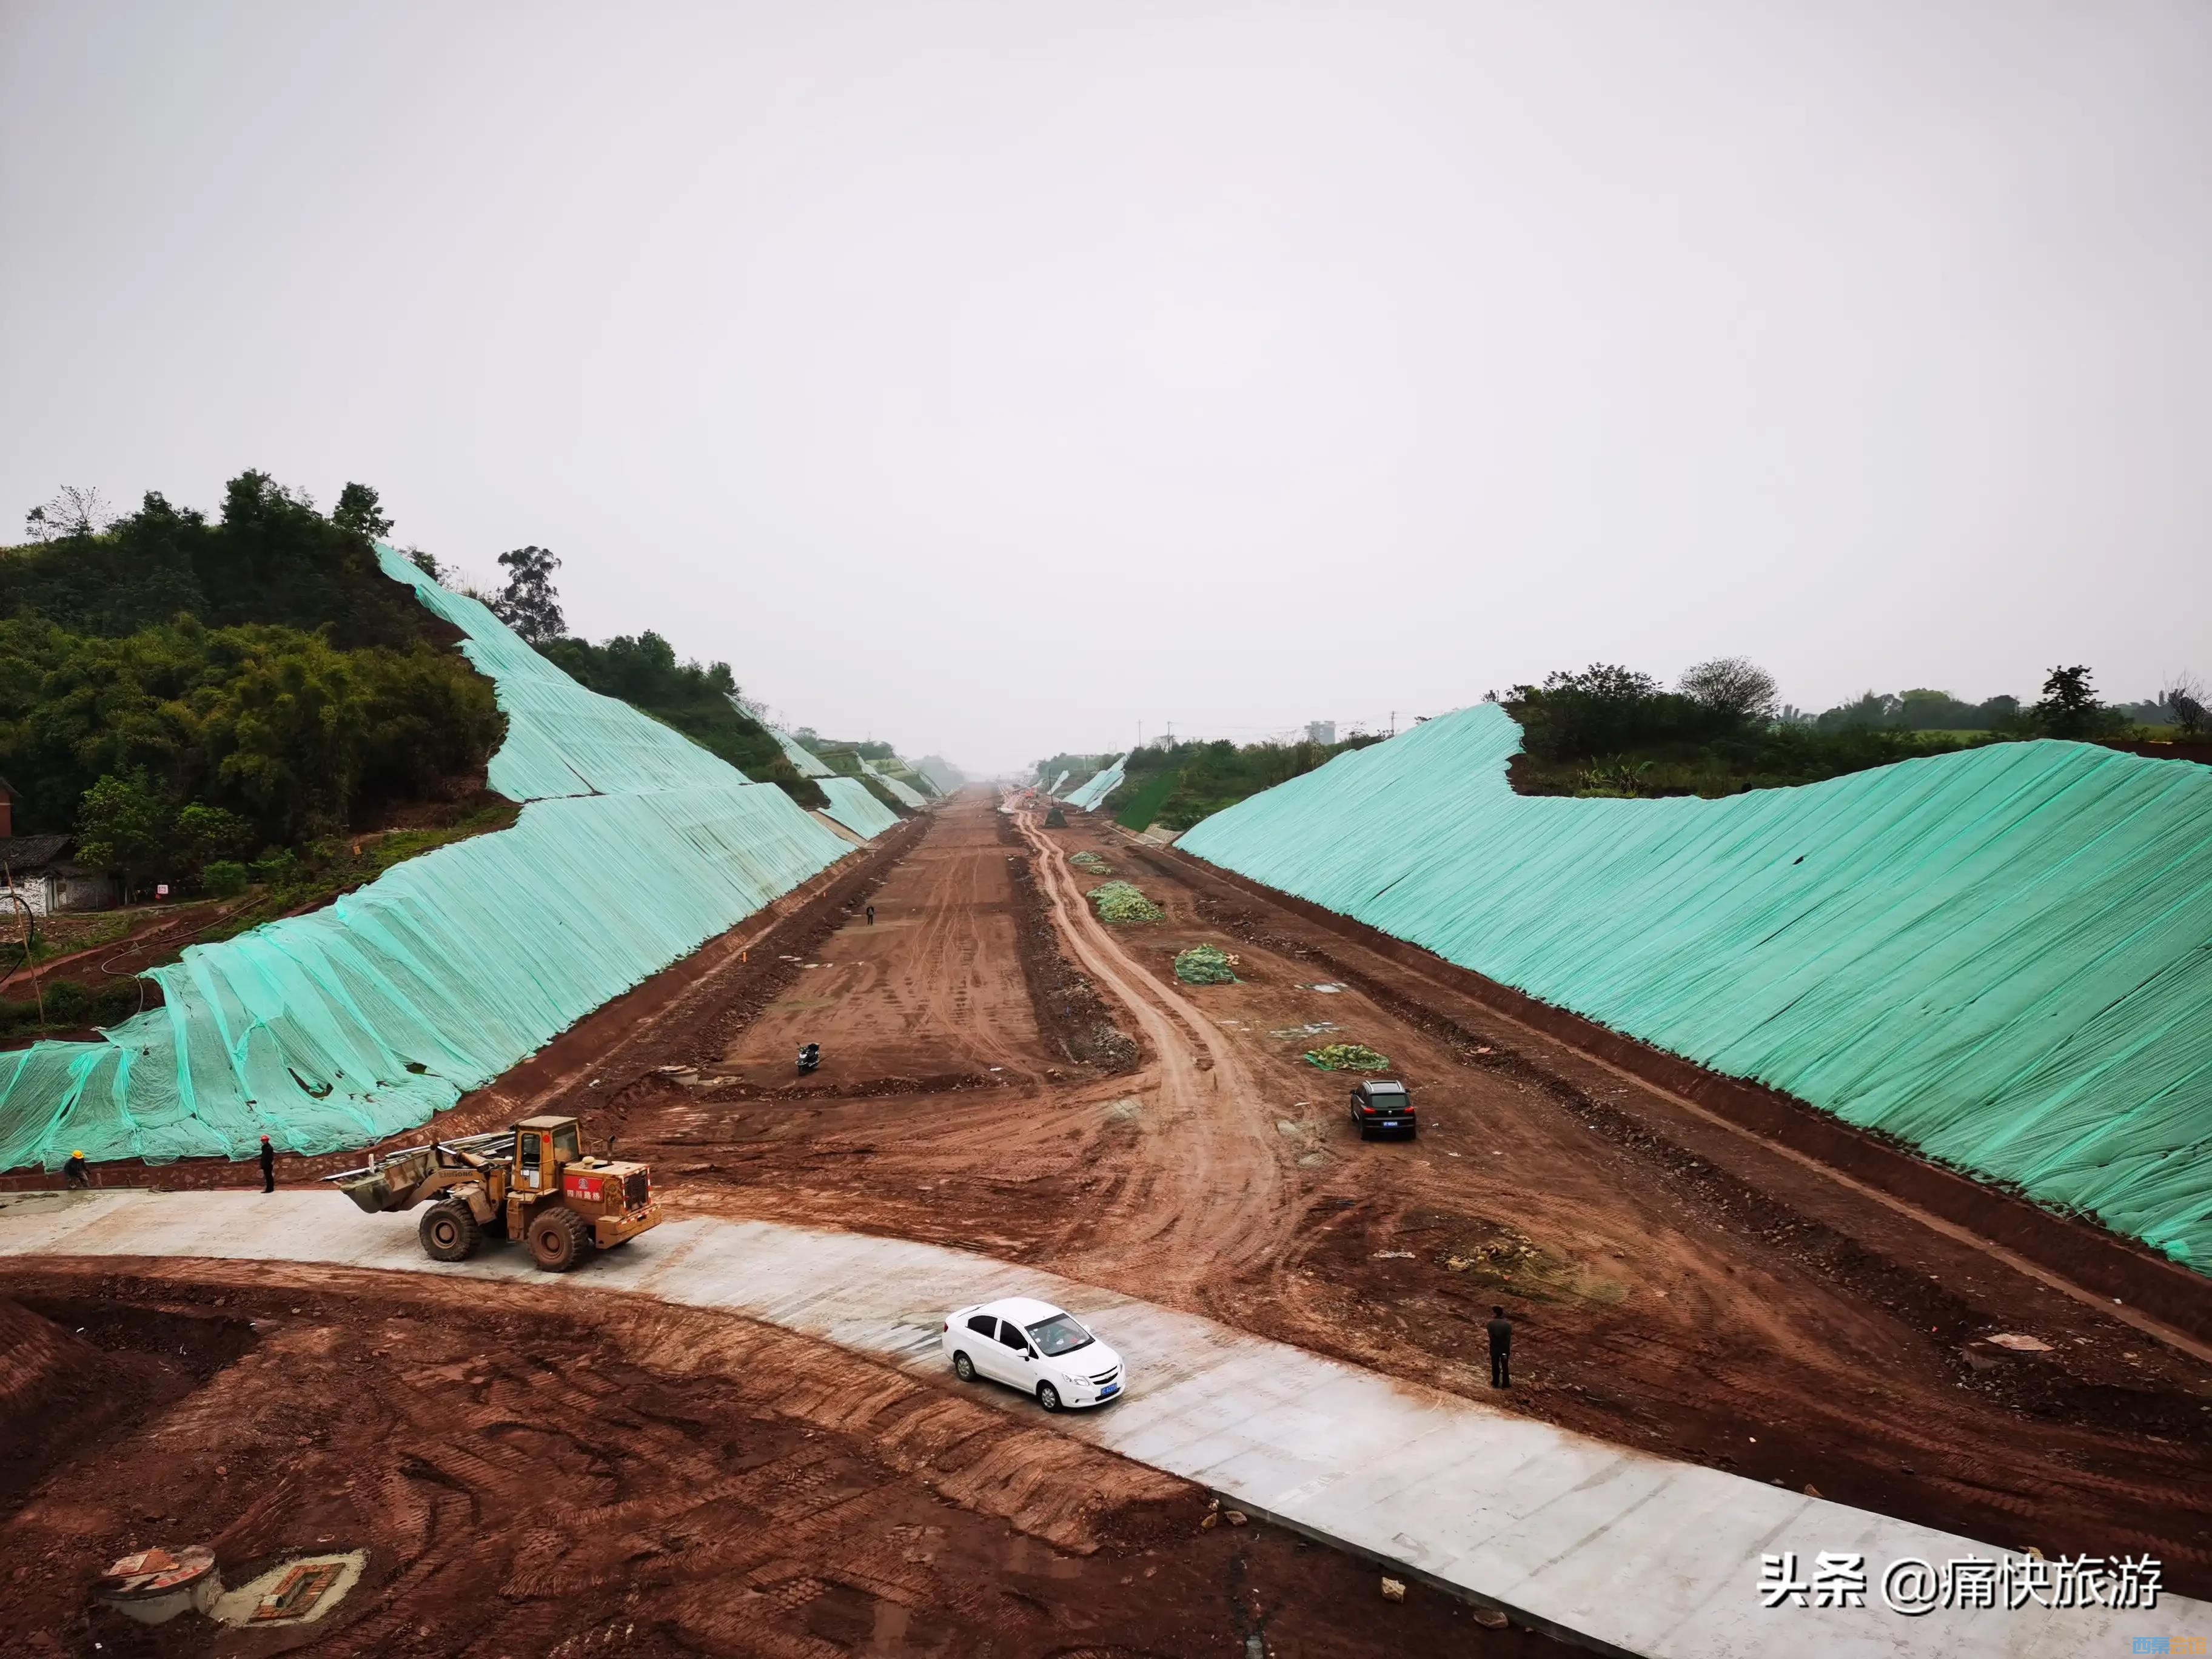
point(1101, 785)
point(903, 793)
point(852, 805)
point(339, 1027)
point(2002, 957)
point(1057, 782)
point(809, 766)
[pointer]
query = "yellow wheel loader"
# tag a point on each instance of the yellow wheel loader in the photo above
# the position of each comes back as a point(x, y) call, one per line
point(532, 1182)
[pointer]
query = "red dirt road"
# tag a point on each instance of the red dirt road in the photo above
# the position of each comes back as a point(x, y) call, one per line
point(1676, 1288)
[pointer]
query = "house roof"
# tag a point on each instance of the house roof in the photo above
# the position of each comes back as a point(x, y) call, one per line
point(29, 852)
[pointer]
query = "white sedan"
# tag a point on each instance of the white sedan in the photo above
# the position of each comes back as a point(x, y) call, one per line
point(1034, 1346)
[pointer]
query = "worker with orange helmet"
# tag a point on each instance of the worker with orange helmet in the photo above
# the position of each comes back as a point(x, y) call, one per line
point(73, 1173)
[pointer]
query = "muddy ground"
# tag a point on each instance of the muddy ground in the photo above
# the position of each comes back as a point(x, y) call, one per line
point(529, 1478)
point(1003, 1072)
point(1676, 1287)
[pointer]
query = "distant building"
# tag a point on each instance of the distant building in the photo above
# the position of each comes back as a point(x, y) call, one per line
point(1321, 731)
point(39, 872)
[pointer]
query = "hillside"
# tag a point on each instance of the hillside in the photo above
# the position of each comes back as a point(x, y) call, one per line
point(204, 701)
point(1994, 957)
point(185, 693)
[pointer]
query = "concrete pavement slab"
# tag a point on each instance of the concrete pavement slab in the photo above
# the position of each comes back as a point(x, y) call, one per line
point(1624, 1552)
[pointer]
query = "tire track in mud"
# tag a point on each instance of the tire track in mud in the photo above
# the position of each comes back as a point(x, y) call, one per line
point(1208, 1193)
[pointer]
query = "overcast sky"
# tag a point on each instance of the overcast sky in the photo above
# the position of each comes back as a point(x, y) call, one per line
point(994, 377)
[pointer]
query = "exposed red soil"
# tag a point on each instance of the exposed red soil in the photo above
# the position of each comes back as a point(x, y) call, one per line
point(1679, 1287)
point(532, 1478)
point(2076, 1252)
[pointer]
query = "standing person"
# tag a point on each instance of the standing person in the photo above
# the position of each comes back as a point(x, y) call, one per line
point(1501, 1349)
point(872, 916)
point(268, 1166)
point(73, 1172)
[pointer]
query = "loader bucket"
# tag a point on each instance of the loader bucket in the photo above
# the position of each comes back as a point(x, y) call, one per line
point(371, 1192)
point(391, 1186)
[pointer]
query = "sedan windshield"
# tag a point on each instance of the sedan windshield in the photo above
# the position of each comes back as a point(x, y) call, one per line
point(1059, 1334)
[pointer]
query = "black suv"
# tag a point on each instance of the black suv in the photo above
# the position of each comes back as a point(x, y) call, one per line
point(1381, 1105)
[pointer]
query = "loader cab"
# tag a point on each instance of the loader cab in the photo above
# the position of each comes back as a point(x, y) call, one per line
point(543, 1147)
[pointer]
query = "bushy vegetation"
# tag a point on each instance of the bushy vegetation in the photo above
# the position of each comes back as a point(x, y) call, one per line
point(63, 1005)
point(1347, 1057)
point(697, 700)
point(1117, 901)
point(1177, 784)
point(1608, 730)
point(183, 693)
point(1206, 964)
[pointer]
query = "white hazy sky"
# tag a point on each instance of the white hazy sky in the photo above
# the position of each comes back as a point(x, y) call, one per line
point(993, 377)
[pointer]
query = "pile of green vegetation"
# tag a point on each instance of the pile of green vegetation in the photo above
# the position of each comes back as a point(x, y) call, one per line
point(1175, 784)
point(184, 694)
point(1117, 901)
point(700, 701)
point(1206, 964)
point(1348, 1057)
point(1610, 731)
point(1089, 863)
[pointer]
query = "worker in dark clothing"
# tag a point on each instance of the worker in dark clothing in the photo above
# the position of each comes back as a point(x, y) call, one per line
point(268, 1166)
point(73, 1173)
point(872, 916)
point(1501, 1349)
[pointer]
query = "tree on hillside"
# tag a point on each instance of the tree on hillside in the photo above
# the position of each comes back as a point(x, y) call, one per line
point(2069, 708)
point(359, 510)
point(529, 603)
point(125, 822)
point(1734, 686)
point(74, 514)
point(2183, 702)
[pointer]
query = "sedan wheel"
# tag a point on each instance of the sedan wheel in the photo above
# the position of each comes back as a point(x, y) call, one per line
point(1048, 1396)
point(963, 1368)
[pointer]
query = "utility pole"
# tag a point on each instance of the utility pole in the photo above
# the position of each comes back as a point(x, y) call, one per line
point(1393, 722)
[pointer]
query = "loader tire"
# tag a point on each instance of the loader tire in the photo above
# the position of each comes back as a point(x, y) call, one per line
point(557, 1238)
point(450, 1231)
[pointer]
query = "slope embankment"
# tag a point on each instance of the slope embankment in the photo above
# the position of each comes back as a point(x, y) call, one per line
point(335, 1029)
point(2001, 958)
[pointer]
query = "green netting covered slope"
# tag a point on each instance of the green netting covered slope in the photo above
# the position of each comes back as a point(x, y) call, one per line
point(1101, 785)
point(335, 1028)
point(853, 806)
point(2003, 956)
point(809, 765)
point(904, 793)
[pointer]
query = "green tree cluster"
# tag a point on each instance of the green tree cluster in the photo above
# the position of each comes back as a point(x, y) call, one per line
point(182, 692)
point(1175, 784)
point(698, 700)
